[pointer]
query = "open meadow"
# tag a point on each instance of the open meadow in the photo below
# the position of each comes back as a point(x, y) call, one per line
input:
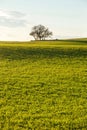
point(43, 85)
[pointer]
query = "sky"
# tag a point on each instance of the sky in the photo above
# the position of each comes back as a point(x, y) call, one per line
point(65, 18)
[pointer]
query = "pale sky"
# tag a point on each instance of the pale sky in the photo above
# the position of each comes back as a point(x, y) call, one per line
point(65, 18)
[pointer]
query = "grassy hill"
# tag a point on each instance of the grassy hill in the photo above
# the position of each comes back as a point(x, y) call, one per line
point(43, 85)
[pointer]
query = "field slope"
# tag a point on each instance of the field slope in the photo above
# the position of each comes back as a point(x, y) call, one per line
point(43, 85)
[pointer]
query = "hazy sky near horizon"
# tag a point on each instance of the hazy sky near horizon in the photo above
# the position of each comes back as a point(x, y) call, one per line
point(65, 18)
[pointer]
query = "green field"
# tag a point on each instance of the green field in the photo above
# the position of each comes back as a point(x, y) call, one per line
point(43, 85)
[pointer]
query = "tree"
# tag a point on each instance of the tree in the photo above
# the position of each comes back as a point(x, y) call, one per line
point(40, 32)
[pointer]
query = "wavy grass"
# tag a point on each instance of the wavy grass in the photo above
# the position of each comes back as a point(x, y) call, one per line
point(43, 85)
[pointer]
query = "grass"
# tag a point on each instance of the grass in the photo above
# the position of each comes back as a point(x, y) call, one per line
point(43, 85)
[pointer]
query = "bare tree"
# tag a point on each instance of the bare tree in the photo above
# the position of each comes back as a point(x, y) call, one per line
point(40, 32)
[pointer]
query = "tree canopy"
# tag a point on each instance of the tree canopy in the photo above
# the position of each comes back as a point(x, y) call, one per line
point(40, 32)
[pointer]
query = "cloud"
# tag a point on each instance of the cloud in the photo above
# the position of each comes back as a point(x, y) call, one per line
point(12, 18)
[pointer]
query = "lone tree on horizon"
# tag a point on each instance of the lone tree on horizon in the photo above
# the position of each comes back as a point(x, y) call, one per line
point(40, 32)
